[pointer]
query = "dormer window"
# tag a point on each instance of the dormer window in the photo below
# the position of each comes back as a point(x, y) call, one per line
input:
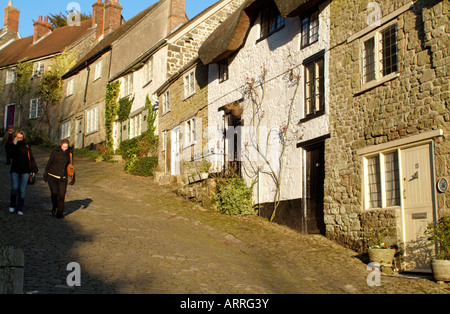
point(271, 20)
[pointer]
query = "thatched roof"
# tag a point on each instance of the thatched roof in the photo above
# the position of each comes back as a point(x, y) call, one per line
point(231, 34)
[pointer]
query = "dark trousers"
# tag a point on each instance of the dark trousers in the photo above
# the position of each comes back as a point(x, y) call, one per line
point(58, 188)
point(8, 153)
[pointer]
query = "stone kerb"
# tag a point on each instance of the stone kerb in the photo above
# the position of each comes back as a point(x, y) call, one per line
point(11, 270)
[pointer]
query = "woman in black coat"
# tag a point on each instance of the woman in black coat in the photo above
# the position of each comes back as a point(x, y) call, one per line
point(56, 176)
point(23, 164)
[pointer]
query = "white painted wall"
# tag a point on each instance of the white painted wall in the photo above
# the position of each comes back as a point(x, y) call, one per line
point(278, 53)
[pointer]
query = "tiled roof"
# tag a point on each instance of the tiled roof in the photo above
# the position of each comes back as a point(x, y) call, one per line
point(56, 42)
point(105, 43)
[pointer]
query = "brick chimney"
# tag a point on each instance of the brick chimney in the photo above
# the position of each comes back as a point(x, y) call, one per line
point(41, 28)
point(177, 14)
point(113, 16)
point(98, 17)
point(11, 18)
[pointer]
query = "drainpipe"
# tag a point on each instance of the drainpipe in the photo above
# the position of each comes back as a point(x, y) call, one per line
point(84, 102)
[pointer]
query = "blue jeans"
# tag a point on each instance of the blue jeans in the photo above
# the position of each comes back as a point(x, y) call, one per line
point(18, 190)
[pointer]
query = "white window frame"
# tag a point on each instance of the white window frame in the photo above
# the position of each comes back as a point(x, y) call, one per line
point(10, 76)
point(166, 102)
point(38, 69)
point(164, 141)
point(66, 129)
point(70, 87)
point(92, 120)
point(128, 85)
point(379, 77)
point(98, 70)
point(148, 71)
point(36, 110)
point(381, 179)
point(190, 132)
point(135, 128)
point(189, 84)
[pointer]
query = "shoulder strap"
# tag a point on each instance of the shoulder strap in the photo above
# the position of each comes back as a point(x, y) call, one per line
point(29, 158)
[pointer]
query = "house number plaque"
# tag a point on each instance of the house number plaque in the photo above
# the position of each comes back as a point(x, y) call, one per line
point(442, 185)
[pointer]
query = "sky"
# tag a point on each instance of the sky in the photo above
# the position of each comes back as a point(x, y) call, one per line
point(31, 9)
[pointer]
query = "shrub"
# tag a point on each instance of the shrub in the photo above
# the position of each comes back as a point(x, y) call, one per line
point(141, 166)
point(440, 235)
point(234, 197)
point(37, 137)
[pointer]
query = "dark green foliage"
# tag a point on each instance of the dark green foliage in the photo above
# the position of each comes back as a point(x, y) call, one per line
point(234, 197)
point(142, 166)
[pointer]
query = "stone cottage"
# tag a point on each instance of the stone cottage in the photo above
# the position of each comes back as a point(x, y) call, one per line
point(183, 121)
point(268, 105)
point(41, 49)
point(160, 65)
point(387, 160)
point(119, 43)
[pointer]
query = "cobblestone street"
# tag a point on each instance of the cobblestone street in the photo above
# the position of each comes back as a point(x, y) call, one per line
point(131, 236)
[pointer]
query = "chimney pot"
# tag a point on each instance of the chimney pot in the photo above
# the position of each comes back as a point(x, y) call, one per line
point(11, 20)
point(41, 28)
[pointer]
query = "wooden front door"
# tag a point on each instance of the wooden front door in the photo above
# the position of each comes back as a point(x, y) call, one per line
point(10, 116)
point(314, 181)
point(418, 206)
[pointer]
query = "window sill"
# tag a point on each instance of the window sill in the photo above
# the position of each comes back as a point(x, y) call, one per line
point(313, 116)
point(373, 84)
point(91, 133)
point(308, 44)
point(189, 96)
point(269, 34)
point(148, 83)
point(395, 207)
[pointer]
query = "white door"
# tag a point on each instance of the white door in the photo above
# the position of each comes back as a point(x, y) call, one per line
point(79, 132)
point(176, 156)
point(116, 134)
point(418, 206)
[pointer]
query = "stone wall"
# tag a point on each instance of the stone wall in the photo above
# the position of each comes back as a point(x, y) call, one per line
point(415, 102)
point(184, 45)
point(182, 109)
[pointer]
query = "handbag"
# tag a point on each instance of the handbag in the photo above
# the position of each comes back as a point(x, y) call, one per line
point(70, 168)
point(32, 179)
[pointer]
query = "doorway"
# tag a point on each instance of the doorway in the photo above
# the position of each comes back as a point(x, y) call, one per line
point(79, 132)
point(176, 155)
point(418, 209)
point(314, 188)
point(10, 115)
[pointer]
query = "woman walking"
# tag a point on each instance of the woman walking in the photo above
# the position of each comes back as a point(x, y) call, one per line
point(56, 176)
point(23, 164)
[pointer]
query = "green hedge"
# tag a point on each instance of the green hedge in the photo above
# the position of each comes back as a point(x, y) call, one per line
point(141, 166)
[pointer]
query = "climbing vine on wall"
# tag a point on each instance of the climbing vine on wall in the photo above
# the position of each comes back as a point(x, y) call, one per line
point(112, 105)
point(124, 110)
